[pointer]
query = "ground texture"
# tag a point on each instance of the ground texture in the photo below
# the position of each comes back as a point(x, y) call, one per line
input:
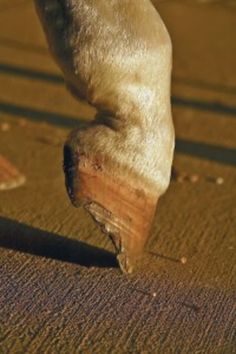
point(60, 288)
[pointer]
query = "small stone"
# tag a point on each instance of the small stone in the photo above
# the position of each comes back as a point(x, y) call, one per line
point(183, 260)
point(215, 180)
point(219, 180)
point(154, 294)
point(194, 178)
point(5, 127)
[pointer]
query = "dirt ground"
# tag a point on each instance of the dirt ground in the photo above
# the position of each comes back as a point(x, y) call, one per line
point(60, 288)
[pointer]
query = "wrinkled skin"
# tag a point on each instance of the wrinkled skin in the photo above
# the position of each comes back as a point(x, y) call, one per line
point(117, 55)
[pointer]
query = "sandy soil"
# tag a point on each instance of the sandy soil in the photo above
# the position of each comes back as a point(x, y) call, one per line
point(60, 288)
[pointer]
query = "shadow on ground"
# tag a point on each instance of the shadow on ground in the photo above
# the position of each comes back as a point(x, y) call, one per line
point(220, 154)
point(24, 238)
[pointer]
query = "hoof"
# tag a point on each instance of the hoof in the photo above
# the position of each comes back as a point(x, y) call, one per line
point(123, 209)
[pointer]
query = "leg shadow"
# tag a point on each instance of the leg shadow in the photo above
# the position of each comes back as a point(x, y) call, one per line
point(220, 154)
point(24, 238)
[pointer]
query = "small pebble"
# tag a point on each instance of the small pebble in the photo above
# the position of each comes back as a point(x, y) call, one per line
point(154, 294)
point(5, 127)
point(219, 180)
point(183, 260)
point(215, 180)
point(194, 178)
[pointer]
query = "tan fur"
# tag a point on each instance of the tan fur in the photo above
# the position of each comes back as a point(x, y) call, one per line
point(117, 55)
